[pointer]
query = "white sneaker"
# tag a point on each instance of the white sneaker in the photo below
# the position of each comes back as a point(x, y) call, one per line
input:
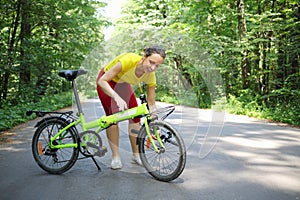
point(136, 160)
point(116, 163)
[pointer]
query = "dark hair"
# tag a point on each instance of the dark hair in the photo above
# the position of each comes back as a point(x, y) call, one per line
point(155, 49)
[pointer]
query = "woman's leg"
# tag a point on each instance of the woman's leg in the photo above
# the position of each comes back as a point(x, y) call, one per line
point(127, 93)
point(133, 137)
point(113, 139)
point(112, 134)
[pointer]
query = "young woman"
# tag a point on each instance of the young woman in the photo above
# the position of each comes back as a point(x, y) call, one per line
point(115, 92)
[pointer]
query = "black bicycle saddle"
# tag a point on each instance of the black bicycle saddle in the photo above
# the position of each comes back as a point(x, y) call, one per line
point(70, 75)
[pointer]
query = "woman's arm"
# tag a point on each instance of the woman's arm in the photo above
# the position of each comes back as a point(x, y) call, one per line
point(103, 83)
point(151, 98)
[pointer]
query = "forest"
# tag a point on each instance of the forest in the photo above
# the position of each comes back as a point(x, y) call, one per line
point(241, 56)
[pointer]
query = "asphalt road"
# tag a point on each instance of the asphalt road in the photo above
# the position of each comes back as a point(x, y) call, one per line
point(228, 157)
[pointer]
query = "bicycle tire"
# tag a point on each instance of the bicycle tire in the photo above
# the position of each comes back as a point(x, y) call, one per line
point(54, 161)
point(169, 164)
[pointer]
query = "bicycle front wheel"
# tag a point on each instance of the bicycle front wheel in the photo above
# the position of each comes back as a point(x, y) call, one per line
point(169, 163)
point(54, 161)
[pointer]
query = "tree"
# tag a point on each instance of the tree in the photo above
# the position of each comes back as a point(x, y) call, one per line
point(245, 67)
point(254, 44)
point(24, 36)
point(40, 37)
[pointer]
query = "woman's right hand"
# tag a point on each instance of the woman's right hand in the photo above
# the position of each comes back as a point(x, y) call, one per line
point(120, 102)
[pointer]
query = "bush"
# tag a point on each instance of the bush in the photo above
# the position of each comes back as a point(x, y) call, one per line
point(15, 114)
point(285, 112)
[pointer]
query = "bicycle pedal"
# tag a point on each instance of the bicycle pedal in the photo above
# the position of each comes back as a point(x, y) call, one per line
point(101, 151)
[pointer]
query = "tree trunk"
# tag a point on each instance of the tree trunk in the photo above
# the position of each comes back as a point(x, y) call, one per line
point(4, 88)
point(24, 39)
point(242, 33)
point(178, 64)
point(294, 55)
point(10, 60)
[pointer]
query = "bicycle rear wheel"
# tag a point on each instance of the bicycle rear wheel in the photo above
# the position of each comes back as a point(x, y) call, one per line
point(168, 164)
point(54, 161)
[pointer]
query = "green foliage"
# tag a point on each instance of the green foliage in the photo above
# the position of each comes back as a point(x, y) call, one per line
point(59, 35)
point(259, 64)
point(208, 52)
point(283, 111)
point(12, 115)
point(244, 105)
point(37, 39)
point(286, 113)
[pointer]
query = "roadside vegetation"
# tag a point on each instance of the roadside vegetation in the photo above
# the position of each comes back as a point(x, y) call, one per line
point(237, 55)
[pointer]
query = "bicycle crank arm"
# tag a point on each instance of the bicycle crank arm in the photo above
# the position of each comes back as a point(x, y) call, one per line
point(100, 150)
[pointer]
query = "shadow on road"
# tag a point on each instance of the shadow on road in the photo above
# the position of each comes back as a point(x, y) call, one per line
point(251, 159)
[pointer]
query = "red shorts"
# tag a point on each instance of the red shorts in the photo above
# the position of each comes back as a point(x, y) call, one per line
point(124, 90)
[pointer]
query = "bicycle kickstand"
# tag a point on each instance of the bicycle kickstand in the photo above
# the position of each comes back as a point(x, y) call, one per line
point(98, 167)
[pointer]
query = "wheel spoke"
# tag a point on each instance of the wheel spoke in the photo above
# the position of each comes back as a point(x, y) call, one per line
point(169, 163)
point(54, 161)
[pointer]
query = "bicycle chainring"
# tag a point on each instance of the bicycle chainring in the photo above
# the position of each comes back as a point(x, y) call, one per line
point(91, 144)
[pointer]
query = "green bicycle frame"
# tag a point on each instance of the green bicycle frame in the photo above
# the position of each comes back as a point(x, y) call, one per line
point(106, 121)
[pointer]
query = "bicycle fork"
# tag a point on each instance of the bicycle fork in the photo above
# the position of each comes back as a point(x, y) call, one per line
point(151, 140)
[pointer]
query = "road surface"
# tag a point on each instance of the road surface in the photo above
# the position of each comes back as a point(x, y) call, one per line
point(229, 157)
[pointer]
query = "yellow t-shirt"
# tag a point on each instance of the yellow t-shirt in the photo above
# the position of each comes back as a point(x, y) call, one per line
point(129, 62)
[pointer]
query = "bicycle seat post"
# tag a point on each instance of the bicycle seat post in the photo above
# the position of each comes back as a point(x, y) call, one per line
point(71, 75)
point(77, 97)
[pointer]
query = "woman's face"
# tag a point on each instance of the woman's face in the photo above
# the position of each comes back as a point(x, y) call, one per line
point(152, 62)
